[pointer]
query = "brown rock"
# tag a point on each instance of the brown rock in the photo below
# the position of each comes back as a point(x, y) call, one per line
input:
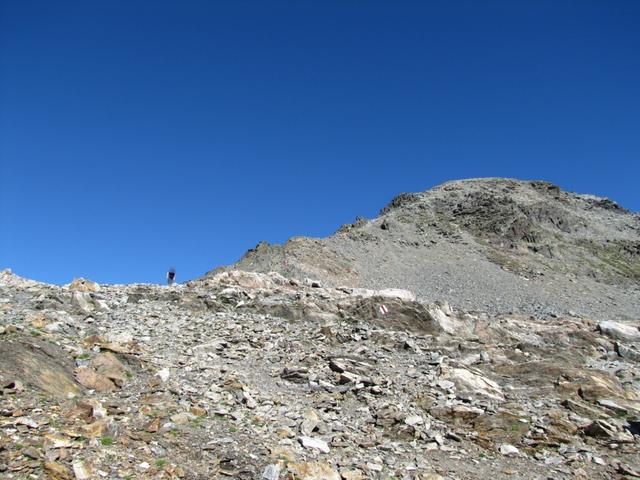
point(128, 348)
point(198, 411)
point(57, 471)
point(604, 386)
point(582, 408)
point(81, 410)
point(82, 470)
point(351, 475)
point(89, 378)
point(460, 414)
point(503, 427)
point(153, 426)
point(95, 429)
point(313, 471)
point(107, 364)
point(39, 364)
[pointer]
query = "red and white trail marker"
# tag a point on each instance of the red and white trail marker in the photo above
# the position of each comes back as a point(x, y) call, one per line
point(383, 309)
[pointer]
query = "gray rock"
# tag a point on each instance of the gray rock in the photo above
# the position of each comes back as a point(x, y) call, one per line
point(620, 331)
point(509, 450)
point(271, 472)
point(314, 443)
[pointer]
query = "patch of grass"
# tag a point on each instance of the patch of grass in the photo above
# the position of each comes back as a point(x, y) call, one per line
point(198, 422)
point(173, 432)
point(35, 333)
point(106, 441)
point(161, 462)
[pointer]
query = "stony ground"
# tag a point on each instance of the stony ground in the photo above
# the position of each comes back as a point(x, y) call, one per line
point(488, 245)
point(257, 376)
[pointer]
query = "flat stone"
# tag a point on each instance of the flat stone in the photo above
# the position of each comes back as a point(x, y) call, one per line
point(314, 443)
point(56, 441)
point(397, 293)
point(445, 384)
point(467, 381)
point(613, 406)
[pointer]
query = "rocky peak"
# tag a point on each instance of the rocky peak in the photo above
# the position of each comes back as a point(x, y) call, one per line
point(492, 244)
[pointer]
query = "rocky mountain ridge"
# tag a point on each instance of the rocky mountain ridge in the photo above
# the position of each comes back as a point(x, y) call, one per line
point(496, 245)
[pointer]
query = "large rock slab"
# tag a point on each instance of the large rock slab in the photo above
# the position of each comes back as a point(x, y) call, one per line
point(472, 383)
point(620, 331)
point(38, 364)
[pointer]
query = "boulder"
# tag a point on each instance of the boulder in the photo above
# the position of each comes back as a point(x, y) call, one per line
point(620, 331)
point(82, 301)
point(89, 378)
point(443, 317)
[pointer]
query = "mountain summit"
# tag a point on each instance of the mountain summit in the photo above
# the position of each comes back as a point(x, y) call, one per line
point(490, 244)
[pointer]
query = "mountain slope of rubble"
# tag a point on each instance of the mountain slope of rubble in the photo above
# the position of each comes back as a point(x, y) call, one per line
point(489, 245)
point(260, 376)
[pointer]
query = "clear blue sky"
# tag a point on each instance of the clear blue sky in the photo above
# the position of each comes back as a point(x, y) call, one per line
point(138, 135)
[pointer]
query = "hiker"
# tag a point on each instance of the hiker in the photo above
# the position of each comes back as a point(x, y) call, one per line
point(171, 276)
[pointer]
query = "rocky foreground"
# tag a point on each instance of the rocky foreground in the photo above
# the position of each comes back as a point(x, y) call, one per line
point(256, 376)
